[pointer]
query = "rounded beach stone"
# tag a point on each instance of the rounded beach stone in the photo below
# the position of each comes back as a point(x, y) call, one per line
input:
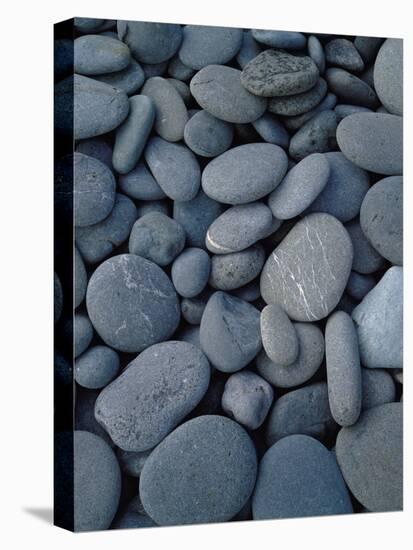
point(379, 322)
point(310, 356)
point(278, 73)
point(245, 173)
point(80, 279)
point(190, 272)
point(170, 109)
point(318, 135)
point(206, 135)
point(378, 388)
point(288, 484)
point(247, 398)
point(203, 472)
point(132, 303)
point(96, 482)
point(96, 367)
point(342, 53)
point(140, 184)
point(204, 45)
point(316, 52)
point(304, 411)
point(238, 228)
point(279, 338)
point(129, 80)
point(272, 130)
point(381, 218)
point(96, 242)
point(192, 310)
point(351, 89)
point(388, 75)
point(97, 148)
point(370, 456)
point(308, 271)
point(131, 463)
point(178, 70)
point(153, 395)
point(196, 216)
point(359, 285)
point(58, 297)
point(132, 134)
point(297, 104)
point(249, 49)
point(94, 190)
point(218, 90)
point(230, 332)
point(343, 369)
point(95, 54)
point(174, 167)
point(373, 141)
point(346, 188)
point(280, 39)
point(231, 271)
point(300, 187)
point(82, 333)
point(183, 89)
point(365, 259)
point(342, 110)
point(294, 123)
point(150, 42)
point(157, 237)
point(91, 116)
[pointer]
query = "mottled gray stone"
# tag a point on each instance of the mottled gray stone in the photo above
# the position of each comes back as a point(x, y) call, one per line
point(192, 310)
point(379, 321)
point(82, 333)
point(297, 104)
point(140, 184)
point(294, 123)
point(365, 258)
point(177, 69)
point(131, 463)
point(96, 482)
point(132, 303)
point(247, 398)
point(95, 54)
point(350, 88)
point(373, 141)
point(203, 472)
point(280, 39)
point(245, 173)
point(218, 90)
point(288, 484)
point(316, 52)
point(96, 367)
point(370, 455)
point(190, 272)
point(279, 338)
point(97, 148)
point(341, 52)
point(318, 135)
point(388, 75)
point(207, 135)
point(378, 388)
point(272, 130)
point(381, 218)
point(359, 285)
point(80, 279)
point(58, 297)
point(230, 332)
point(129, 80)
point(232, 271)
point(174, 167)
point(249, 49)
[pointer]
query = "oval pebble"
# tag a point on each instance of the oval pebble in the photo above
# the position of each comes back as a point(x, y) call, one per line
point(351, 89)
point(365, 258)
point(279, 338)
point(82, 333)
point(388, 75)
point(95, 54)
point(203, 472)
point(249, 49)
point(178, 70)
point(341, 52)
point(272, 130)
point(206, 135)
point(378, 388)
point(183, 89)
point(190, 272)
point(294, 123)
point(232, 271)
point(280, 39)
point(318, 135)
point(297, 104)
point(140, 184)
point(129, 80)
point(96, 367)
point(80, 279)
point(316, 52)
point(132, 303)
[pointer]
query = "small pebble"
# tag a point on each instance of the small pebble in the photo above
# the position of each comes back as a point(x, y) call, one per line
point(280, 39)
point(82, 333)
point(206, 135)
point(378, 388)
point(140, 184)
point(192, 310)
point(96, 367)
point(351, 89)
point(129, 80)
point(190, 272)
point(297, 104)
point(249, 49)
point(95, 54)
point(365, 259)
point(318, 135)
point(279, 338)
point(271, 130)
point(316, 52)
point(178, 70)
point(234, 270)
point(341, 52)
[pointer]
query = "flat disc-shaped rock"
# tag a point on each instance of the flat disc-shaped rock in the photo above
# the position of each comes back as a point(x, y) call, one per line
point(308, 271)
point(153, 394)
point(245, 173)
point(297, 104)
point(203, 472)
point(289, 481)
point(218, 90)
point(132, 303)
point(97, 54)
point(342, 53)
point(279, 338)
point(278, 73)
point(370, 455)
point(373, 141)
point(388, 75)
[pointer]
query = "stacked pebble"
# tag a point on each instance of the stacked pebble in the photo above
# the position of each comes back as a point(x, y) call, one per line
point(238, 212)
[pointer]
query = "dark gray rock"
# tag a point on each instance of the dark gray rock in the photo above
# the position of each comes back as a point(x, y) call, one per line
point(288, 484)
point(132, 303)
point(379, 321)
point(249, 49)
point(82, 333)
point(343, 110)
point(316, 52)
point(192, 310)
point(183, 89)
point(351, 89)
point(365, 258)
point(162, 206)
point(359, 285)
point(280, 39)
point(96, 482)
point(318, 135)
point(230, 332)
point(378, 388)
point(58, 297)
point(341, 52)
point(297, 104)
point(218, 90)
point(370, 456)
point(177, 69)
point(96, 367)
point(190, 271)
point(190, 334)
point(294, 123)
point(368, 46)
point(206, 135)
point(95, 54)
point(232, 271)
point(279, 338)
point(140, 184)
point(80, 279)
point(388, 75)
point(245, 173)
point(97, 148)
point(131, 463)
point(373, 141)
point(247, 398)
point(174, 167)
point(203, 472)
point(152, 70)
point(129, 80)
point(272, 130)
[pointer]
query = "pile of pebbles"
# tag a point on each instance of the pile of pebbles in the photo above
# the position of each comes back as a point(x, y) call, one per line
point(238, 273)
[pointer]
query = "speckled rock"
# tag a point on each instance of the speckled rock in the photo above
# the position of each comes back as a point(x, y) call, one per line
point(381, 218)
point(190, 272)
point(279, 338)
point(204, 471)
point(140, 184)
point(294, 123)
point(379, 321)
point(297, 104)
point(300, 187)
point(318, 135)
point(232, 271)
point(206, 135)
point(370, 455)
point(316, 52)
point(341, 52)
point(288, 484)
point(249, 49)
point(96, 482)
point(365, 258)
point(82, 333)
point(373, 141)
point(177, 69)
point(80, 279)
point(174, 167)
point(131, 463)
point(280, 39)
point(378, 388)
point(351, 89)
point(308, 271)
point(97, 148)
point(204, 45)
point(230, 332)
point(96, 367)
point(129, 80)
point(359, 285)
point(218, 90)
point(245, 173)
point(388, 75)
point(132, 303)
point(272, 130)
point(310, 356)
point(247, 398)
point(278, 73)
point(95, 54)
